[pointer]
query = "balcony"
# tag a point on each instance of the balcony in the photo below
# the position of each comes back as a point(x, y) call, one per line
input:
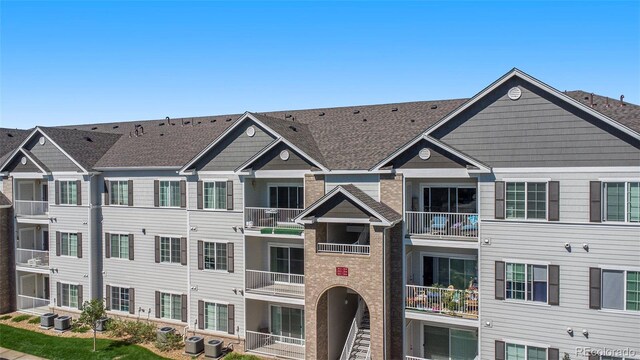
point(273, 283)
point(31, 208)
point(32, 258)
point(442, 225)
point(274, 345)
point(273, 220)
point(336, 248)
point(444, 301)
point(32, 305)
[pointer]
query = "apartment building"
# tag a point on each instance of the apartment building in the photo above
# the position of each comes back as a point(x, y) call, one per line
point(503, 226)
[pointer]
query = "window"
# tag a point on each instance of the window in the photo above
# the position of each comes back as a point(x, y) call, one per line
point(286, 197)
point(461, 273)
point(171, 306)
point(68, 192)
point(69, 295)
point(170, 193)
point(215, 195)
point(622, 201)
point(449, 199)
point(526, 200)
point(69, 244)
point(119, 192)
point(170, 250)
point(287, 321)
point(119, 299)
point(215, 317)
point(215, 256)
point(286, 260)
point(526, 282)
point(447, 343)
point(525, 352)
point(621, 290)
point(119, 246)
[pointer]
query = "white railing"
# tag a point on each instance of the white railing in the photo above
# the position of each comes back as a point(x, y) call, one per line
point(274, 283)
point(262, 217)
point(442, 224)
point(33, 258)
point(368, 357)
point(414, 358)
point(31, 208)
point(353, 331)
point(32, 304)
point(442, 300)
point(336, 248)
point(274, 345)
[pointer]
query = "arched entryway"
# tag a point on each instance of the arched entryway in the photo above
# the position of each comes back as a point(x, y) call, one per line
point(343, 325)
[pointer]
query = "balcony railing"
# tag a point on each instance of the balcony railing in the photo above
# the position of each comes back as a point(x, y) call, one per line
point(442, 224)
point(335, 248)
point(32, 258)
point(274, 345)
point(273, 283)
point(414, 358)
point(32, 304)
point(463, 303)
point(274, 218)
point(31, 208)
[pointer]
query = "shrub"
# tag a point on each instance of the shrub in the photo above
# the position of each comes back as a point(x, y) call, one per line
point(236, 356)
point(35, 320)
point(79, 328)
point(21, 318)
point(134, 332)
point(173, 342)
point(5, 317)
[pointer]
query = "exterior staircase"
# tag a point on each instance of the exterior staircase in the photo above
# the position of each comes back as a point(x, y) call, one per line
point(362, 341)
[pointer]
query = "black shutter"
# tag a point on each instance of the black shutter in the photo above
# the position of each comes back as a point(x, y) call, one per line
point(554, 354)
point(595, 201)
point(230, 256)
point(107, 192)
point(157, 304)
point(595, 288)
point(200, 255)
point(229, 195)
point(499, 349)
point(131, 247)
point(499, 200)
point(79, 248)
point(107, 297)
point(200, 314)
point(58, 243)
point(107, 245)
point(157, 248)
point(200, 196)
point(554, 285)
point(554, 201)
point(58, 293)
point(499, 280)
point(231, 319)
point(130, 194)
point(132, 301)
point(184, 308)
point(156, 193)
point(80, 297)
point(57, 186)
point(183, 251)
point(183, 194)
point(79, 192)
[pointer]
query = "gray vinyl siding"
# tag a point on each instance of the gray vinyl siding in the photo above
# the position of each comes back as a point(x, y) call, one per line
point(537, 130)
point(217, 285)
point(84, 191)
point(143, 273)
point(51, 156)
point(142, 185)
point(439, 159)
point(234, 149)
point(368, 183)
point(608, 245)
point(272, 161)
point(16, 166)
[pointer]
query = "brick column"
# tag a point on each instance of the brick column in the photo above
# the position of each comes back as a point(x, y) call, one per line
point(313, 188)
point(7, 260)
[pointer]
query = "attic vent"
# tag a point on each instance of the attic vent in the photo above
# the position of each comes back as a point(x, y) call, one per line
point(161, 134)
point(413, 120)
point(394, 109)
point(287, 116)
point(293, 128)
point(229, 119)
point(514, 93)
point(213, 120)
point(321, 114)
point(187, 122)
point(199, 122)
point(251, 131)
point(356, 111)
point(433, 107)
point(424, 154)
point(9, 135)
point(23, 161)
point(88, 139)
point(115, 126)
point(94, 128)
point(364, 120)
point(161, 124)
point(42, 140)
point(284, 155)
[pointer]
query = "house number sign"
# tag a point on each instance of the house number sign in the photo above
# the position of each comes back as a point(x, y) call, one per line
point(342, 271)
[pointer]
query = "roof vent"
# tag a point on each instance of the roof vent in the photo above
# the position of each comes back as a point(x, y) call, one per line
point(413, 120)
point(161, 124)
point(23, 161)
point(433, 107)
point(161, 134)
point(187, 122)
point(199, 122)
point(591, 103)
point(9, 135)
point(251, 131)
point(364, 120)
point(622, 100)
point(284, 155)
point(394, 109)
point(115, 126)
point(88, 139)
point(213, 120)
point(321, 114)
point(293, 128)
point(41, 140)
point(286, 116)
point(94, 128)
point(229, 119)
point(424, 154)
point(356, 111)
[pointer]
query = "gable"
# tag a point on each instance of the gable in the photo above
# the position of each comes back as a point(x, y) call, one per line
point(16, 164)
point(438, 159)
point(235, 148)
point(271, 160)
point(50, 155)
point(340, 206)
point(537, 130)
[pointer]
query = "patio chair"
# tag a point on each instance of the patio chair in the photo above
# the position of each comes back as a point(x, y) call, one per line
point(439, 224)
point(472, 224)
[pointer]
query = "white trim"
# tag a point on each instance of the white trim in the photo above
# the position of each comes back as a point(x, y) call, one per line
point(34, 162)
point(415, 240)
point(526, 179)
point(563, 169)
point(526, 262)
point(274, 298)
point(524, 343)
point(346, 220)
point(435, 173)
point(619, 267)
point(280, 173)
point(258, 155)
point(25, 175)
point(136, 168)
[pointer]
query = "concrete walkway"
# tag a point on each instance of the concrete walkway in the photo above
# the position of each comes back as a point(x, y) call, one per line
point(6, 354)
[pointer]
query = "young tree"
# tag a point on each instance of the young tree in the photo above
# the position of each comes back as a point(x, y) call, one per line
point(92, 311)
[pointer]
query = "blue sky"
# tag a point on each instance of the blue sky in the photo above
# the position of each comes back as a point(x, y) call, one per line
point(81, 62)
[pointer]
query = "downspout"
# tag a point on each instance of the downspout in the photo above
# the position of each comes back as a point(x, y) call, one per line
point(190, 289)
point(92, 276)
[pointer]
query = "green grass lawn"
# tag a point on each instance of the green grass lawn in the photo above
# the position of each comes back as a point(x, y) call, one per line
point(53, 347)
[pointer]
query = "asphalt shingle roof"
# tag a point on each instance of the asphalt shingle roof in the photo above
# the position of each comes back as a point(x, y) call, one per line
point(10, 139)
point(86, 147)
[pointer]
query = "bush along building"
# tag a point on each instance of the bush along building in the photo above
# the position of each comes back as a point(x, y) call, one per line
point(504, 226)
